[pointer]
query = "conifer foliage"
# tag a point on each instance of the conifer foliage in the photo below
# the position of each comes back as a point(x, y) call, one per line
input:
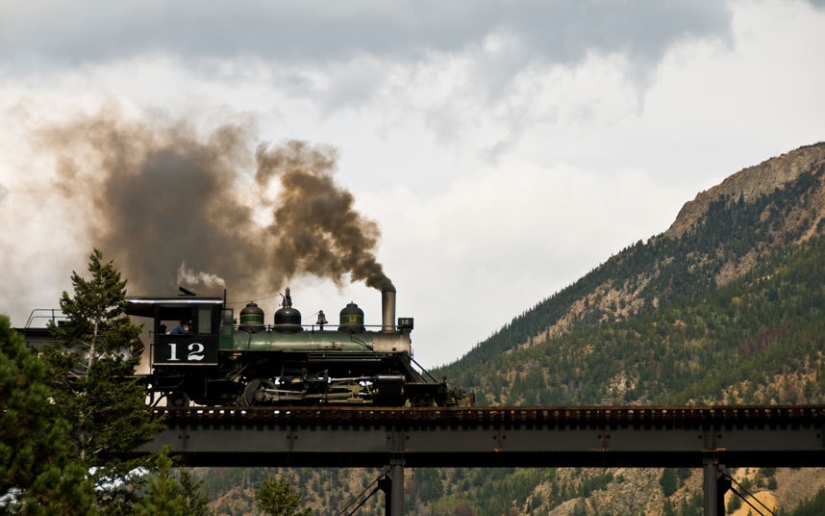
point(67, 410)
point(92, 381)
point(163, 495)
point(172, 496)
point(38, 473)
point(277, 497)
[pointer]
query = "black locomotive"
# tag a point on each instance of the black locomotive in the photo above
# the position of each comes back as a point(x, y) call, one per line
point(213, 361)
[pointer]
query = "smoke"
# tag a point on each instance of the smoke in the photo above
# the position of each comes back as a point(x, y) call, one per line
point(173, 207)
point(187, 276)
point(316, 229)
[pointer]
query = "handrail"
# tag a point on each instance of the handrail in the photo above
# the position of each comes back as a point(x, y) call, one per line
point(52, 314)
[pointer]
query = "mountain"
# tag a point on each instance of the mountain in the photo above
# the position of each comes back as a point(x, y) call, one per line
point(730, 239)
point(726, 306)
point(751, 184)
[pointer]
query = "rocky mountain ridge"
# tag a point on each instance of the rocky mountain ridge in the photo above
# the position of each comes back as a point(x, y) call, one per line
point(750, 183)
point(612, 300)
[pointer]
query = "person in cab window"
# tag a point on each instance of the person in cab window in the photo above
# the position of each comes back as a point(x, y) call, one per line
point(181, 329)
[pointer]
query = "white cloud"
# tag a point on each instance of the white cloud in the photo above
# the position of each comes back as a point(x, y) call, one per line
point(499, 169)
point(488, 247)
point(38, 34)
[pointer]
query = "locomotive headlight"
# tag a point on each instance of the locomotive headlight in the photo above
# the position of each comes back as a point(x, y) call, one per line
point(405, 323)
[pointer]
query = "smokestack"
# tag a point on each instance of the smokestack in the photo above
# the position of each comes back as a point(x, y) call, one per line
point(388, 309)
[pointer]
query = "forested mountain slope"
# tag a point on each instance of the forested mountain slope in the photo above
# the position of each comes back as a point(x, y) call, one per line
point(658, 297)
point(727, 306)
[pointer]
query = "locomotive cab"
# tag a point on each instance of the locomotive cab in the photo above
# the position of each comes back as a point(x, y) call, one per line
point(185, 334)
point(197, 345)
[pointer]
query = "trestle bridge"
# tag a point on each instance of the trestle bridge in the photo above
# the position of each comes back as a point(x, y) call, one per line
point(711, 438)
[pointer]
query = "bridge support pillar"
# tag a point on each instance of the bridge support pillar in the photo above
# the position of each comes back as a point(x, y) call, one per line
point(715, 486)
point(397, 491)
point(393, 487)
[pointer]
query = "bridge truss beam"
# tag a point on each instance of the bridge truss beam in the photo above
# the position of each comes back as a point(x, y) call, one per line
point(690, 437)
point(600, 437)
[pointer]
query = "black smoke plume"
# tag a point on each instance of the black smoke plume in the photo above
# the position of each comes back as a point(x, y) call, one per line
point(171, 206)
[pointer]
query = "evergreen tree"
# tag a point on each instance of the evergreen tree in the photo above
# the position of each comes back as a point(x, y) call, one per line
point(170, 496)
point(93, 386)
point(277, 498)
point(811, 507)
point(37, 473)
point(734, 504)
point(195, 501)
point(164, 495)
point(669, 481)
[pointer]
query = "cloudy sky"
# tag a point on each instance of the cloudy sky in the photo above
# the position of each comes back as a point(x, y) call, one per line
point(504, 148)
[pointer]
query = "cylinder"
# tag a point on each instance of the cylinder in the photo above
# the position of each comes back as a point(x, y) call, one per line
point(714, 501)
point(397, 489)
point(388, 309)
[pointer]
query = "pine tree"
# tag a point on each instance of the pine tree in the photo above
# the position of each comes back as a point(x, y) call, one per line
point(92, 379)
point(277, 498)
point(37, 472)
point(195, 502)
point(164, 495)
point(669, 481)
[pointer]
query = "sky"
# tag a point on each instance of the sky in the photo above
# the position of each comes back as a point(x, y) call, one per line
point(501, 149)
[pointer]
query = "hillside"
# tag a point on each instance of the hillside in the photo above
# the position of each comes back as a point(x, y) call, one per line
point(718, 238)
point(726, 306)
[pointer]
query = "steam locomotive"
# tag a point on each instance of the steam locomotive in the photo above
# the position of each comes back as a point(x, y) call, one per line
point(219, 363)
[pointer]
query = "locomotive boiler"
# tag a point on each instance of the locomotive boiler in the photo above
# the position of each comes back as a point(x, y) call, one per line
point(217, 362)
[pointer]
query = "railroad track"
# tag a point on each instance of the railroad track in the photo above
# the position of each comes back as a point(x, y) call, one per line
point(626, 415)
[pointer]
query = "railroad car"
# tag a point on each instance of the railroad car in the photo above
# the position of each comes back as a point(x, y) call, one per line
point(220, 361)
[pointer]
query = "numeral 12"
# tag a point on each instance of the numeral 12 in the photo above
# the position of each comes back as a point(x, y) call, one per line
point(196, 352)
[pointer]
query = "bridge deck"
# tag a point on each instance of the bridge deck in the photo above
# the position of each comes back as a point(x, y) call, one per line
point(737, 436)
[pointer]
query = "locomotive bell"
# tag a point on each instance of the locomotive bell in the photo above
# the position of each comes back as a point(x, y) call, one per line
point(252, 318)
point(352, 319)
point(322, 320)
point(287, 319)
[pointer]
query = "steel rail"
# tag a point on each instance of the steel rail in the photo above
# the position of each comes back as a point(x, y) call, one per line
point(633, 415)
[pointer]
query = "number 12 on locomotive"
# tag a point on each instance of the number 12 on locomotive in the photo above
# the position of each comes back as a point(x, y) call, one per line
point(185, 350)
